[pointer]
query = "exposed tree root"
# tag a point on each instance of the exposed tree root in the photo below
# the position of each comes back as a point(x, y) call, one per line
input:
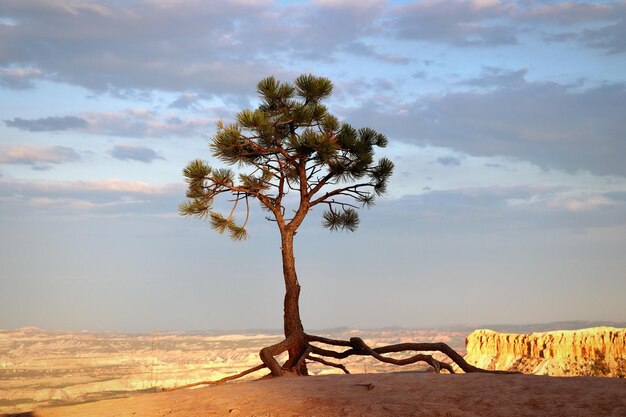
point(302, 361)
point(219, 381)
point(268, 354)
point(354, 347)
point(327, 363)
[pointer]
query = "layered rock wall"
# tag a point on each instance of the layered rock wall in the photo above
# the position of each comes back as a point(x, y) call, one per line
point(598, 351)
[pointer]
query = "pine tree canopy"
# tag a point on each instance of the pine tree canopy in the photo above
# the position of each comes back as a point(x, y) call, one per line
point(289, 144)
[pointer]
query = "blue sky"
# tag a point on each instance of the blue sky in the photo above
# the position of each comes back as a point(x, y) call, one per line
point(505, 121)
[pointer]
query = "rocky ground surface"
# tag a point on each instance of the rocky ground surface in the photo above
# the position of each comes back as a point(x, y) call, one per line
point(376, 395)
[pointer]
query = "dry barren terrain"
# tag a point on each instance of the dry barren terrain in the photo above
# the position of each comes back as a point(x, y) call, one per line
point(39, 368)
point(372, 395)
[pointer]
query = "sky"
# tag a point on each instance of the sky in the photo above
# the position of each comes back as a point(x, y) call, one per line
point(506, 122)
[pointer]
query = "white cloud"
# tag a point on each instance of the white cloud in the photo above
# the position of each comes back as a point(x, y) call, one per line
point(72, 204)
point(137, 122)
point(461, 23)
point(47, 124)
point(472, 23)
point(110, 185)
point(110, 197)
point(185, 101)
point(39, 157)
point(352, 4)
point(134, 153)
point(134, 45)
point(580, 203)
point(499, 210)
point(554, 126)
point(145, 123)
point(19, 78)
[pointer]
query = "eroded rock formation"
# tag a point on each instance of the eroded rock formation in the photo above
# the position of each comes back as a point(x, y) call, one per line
point(598, 351)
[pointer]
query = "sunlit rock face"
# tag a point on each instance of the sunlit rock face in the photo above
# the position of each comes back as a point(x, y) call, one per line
point(598, 351)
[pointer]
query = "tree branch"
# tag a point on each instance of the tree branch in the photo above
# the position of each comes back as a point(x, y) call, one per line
point(339, 191)
point(339, 203)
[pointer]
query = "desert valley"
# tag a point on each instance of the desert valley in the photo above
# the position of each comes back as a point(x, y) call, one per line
point(40, 369)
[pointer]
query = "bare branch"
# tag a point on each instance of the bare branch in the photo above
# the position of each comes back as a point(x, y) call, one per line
point(284, 123)
point(281, 183)
point(339, 191)
point(320, 185)
point(247, 212)
point(339, 203)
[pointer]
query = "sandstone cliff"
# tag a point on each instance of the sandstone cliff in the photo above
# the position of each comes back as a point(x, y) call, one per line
point(598, 351)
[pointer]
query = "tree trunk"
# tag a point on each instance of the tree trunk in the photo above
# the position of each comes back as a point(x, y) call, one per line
point(292, 323)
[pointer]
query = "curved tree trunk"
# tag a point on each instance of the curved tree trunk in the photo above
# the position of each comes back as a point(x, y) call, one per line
point(294, 331)
point(302, 347)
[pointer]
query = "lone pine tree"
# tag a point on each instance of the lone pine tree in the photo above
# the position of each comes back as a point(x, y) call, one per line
point(291, 144)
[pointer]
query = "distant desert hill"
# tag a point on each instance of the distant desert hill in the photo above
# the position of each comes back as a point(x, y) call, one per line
point(598, 351)
point(539, 327)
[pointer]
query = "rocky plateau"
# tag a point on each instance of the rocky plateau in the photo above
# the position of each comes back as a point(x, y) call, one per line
point(599, 351)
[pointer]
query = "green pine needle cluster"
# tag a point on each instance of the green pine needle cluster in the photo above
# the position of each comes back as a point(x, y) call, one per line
point(221, 224)
point(290, 143)
point(347, 219)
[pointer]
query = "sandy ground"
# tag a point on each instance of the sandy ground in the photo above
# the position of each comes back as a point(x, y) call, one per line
point(398, 394)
